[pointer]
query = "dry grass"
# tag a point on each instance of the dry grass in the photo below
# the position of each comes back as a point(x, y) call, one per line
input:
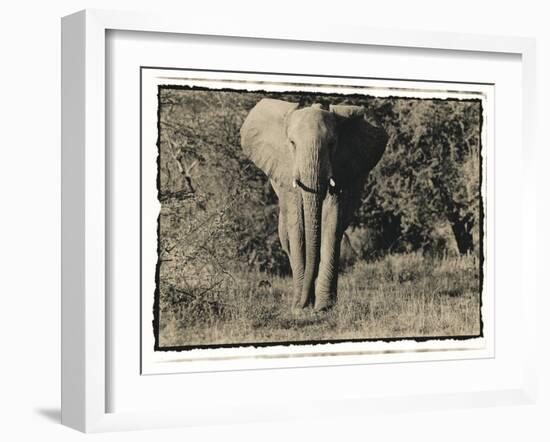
point(398, 296)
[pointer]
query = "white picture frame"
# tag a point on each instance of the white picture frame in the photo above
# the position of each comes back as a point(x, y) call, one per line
point(86, 315)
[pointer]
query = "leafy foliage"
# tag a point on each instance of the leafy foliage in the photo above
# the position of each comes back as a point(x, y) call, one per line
point(428, 177)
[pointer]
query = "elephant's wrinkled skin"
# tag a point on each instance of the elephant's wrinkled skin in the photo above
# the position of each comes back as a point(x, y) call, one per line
point(317, 161)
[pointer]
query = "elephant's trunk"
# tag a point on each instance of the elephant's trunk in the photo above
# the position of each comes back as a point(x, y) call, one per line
point(312, 194)
point(312, 230)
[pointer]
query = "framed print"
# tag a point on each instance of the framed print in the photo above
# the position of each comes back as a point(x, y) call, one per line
point(245, 209)
point(215, 295)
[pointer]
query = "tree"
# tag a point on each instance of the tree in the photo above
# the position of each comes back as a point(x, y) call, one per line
point(430, 172)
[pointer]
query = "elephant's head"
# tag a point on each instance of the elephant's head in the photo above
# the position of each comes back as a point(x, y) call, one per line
point(312, 152)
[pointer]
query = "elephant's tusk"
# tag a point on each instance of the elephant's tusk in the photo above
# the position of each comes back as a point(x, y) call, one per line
point(332, 183)
point(294, 183)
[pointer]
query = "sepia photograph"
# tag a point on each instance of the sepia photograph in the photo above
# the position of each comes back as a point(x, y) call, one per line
point(302, 214)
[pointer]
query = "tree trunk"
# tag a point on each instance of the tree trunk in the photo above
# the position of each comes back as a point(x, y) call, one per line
point(462, 226)
point(462, 230)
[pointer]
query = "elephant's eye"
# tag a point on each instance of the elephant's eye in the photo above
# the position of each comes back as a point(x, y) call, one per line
point(292, 145)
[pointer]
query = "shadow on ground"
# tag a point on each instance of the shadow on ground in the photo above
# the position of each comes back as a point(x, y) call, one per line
point(51, 414)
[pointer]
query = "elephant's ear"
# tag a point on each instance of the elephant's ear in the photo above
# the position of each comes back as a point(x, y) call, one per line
point(264, 139)
point(360, 145)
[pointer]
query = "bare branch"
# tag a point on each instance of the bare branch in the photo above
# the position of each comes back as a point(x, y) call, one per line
point(173, 155)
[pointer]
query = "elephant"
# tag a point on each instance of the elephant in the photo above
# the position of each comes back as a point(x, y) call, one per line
point(317, 161)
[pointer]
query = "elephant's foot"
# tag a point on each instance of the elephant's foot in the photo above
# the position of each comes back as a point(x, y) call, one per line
point(303, 300)
point(321, 300)
point(324, 301)
point(297, 311)
point(300, 304)
point(308, 313)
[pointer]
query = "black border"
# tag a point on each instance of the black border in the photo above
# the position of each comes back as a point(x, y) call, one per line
point(156, 302)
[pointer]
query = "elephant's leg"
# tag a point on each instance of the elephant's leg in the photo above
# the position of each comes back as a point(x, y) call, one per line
point(338, 211)
point(296, 243)
point(331, 231)
point(283, 232)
